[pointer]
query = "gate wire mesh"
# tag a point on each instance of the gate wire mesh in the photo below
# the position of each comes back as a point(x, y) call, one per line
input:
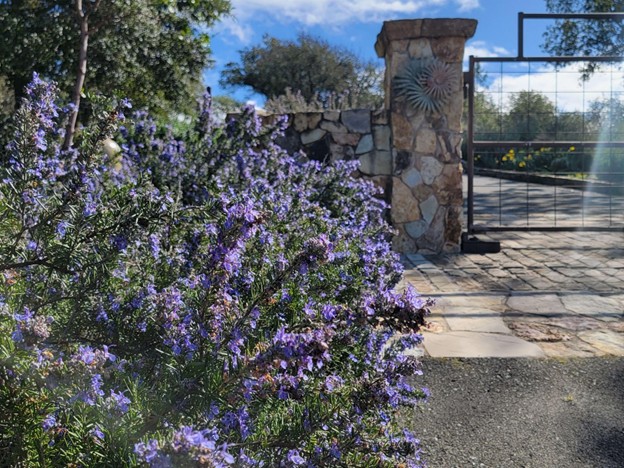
point(547, 146)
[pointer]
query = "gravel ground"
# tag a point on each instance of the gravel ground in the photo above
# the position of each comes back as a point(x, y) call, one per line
point(542, 413)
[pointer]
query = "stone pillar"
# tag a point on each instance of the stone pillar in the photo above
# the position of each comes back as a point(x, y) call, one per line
point(426, 201)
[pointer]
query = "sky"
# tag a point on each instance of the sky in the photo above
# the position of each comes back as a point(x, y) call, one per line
point(354, 24)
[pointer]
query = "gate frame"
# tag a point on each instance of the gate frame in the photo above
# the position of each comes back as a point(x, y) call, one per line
point(471, 144)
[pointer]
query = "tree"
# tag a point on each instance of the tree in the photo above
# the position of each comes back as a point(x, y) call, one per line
point(151, 52)
point(308, 65)
point(585, 37)
point(531, 117)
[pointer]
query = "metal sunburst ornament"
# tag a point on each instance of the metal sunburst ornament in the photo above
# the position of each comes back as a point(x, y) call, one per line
point(426, 83)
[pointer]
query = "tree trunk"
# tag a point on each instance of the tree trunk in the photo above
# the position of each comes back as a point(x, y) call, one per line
point(80, 75)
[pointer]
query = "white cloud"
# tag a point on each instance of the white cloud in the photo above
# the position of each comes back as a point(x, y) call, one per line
point(240, 30)
point(334, 12)
point(467, 5)
point(482, 49)
point(563, 87)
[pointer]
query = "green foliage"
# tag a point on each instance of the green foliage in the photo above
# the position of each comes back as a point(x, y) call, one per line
point(151, 52)
point(585, 37)
point(309, 66)
point(531, 117)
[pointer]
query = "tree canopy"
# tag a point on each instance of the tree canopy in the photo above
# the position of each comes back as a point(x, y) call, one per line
point(150, 51)
point(308, 65)
point(585, 37)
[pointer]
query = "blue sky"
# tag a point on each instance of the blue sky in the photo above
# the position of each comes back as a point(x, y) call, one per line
point(355, 24)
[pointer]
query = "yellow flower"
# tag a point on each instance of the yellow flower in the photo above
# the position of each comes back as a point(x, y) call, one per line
point(572, 148)
point(511, 151)
point(529, 157)
point(521, 164)
point(505, 158)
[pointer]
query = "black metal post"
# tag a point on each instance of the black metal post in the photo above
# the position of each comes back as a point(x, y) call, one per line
point(469, 146)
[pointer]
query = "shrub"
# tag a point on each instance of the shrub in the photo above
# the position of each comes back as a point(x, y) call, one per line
point(206, 300)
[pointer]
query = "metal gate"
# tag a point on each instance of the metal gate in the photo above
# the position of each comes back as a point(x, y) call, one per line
point(545, 148)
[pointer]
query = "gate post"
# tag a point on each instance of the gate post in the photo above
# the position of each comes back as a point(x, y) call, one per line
point(425, 104)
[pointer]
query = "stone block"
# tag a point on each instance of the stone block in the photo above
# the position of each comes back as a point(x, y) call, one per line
point(416, 229)
point(430, 168)
point(445, 27)
point(433, 240)
point(313, 119)
point(404, 206)
point(422, 192)
point(607, 341)
point(365, 145)
point(403, 243)
point(333, 127)
point(396, 30)
point(332, 115)
point(379, 117)
point(399, 46)
point(357, 120)
point(340, 152)
point(300, 122)
point(420, 48)
point(402, 132)
point(411, 177)
point(381, 137)
point(396, 63)
point(448, 185)
point(376, 163)
point(428, 208)
point(453, 225)
point(478, 344)
point(426, 141)
point(351, 139)
point(312, 135)
point(448, 49)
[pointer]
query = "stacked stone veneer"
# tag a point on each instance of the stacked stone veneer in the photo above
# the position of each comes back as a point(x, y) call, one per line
point(335, 135)
point(413, 155)
point(350, 134)
point(426, 200)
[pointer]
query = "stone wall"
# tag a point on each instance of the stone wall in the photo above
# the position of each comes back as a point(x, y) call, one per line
point(334, 135)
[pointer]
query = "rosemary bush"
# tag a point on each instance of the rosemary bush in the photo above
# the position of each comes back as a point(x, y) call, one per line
point(199, 301)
